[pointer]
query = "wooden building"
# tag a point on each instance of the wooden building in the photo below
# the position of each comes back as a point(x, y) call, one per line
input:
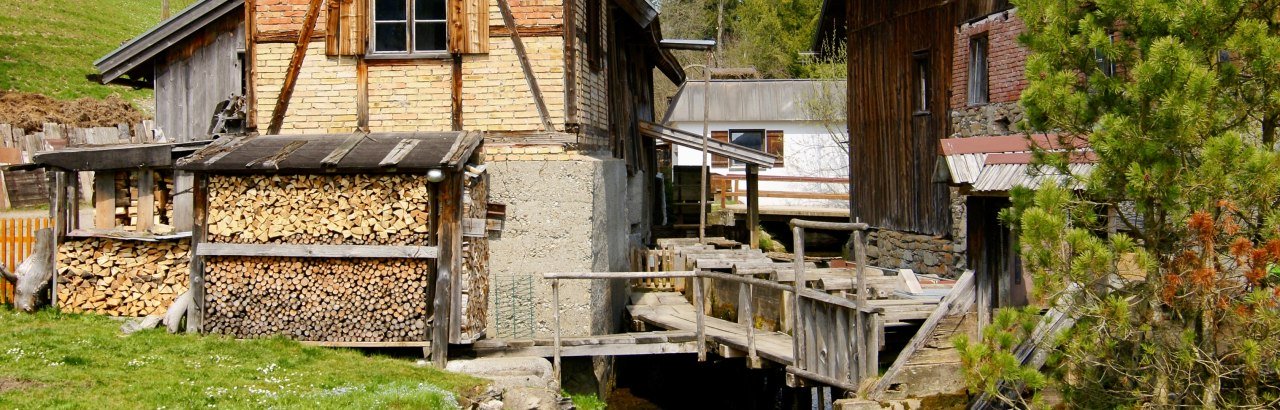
point(556, 89)
point(936, 140)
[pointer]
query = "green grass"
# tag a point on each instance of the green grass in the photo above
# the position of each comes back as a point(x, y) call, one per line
point(48, 46)
point(50, 360)
point(587, 401)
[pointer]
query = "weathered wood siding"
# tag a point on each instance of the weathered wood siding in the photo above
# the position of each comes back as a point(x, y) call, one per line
point(192, 78)
point(893, 148)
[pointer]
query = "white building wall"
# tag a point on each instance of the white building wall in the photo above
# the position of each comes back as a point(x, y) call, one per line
point(809, 150)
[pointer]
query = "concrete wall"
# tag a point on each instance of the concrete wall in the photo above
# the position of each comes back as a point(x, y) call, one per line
point(568, 215)
point(809, 150)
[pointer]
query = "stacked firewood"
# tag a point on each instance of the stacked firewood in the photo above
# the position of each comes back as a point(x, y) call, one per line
point(333, 300)
point(121, 278)
point(320, 209)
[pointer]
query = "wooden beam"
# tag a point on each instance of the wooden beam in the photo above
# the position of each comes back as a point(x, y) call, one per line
point(963, 286)
point(398, 152)
point(455, 92)
point(362, 91)
point(449, 264)
point(295, 66)
point(317, 251)
point(195, 314)
point(250, 59)
point(367, 344)
point(790, 194)
point(529, 77)
point(146, 199)
point(341, 151)
point(104, 199)
point(592, 350)
point(753, 204)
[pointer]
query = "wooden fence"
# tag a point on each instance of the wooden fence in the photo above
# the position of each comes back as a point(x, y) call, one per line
point(17, 239)
point(726, 188)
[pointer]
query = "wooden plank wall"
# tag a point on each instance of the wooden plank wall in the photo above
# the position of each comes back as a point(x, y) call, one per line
point(894, 149)
point(196, 76)
point(17, 238)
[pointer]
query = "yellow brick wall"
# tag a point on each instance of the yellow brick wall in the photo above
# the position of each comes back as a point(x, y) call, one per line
point(411, 95)
point(523, 152)
point(592, 103)
point(324, 99)
point(495, 94)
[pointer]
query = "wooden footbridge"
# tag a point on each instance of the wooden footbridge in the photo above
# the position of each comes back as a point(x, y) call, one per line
point(828, 327)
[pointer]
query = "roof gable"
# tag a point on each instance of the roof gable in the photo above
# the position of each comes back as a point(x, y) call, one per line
point(168, 33)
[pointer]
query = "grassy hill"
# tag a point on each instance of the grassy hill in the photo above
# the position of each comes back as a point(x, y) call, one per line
point(48, 46)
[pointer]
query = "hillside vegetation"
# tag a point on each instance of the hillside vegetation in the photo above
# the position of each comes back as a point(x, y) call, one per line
point(48, 46)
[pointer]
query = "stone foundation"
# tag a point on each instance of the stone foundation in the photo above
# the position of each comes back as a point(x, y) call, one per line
point(987, 120)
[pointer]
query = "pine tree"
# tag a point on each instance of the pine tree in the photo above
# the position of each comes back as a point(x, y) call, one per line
point(1180, 100)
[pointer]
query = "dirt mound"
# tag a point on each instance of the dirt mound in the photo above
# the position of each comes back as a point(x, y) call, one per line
point(31, 111)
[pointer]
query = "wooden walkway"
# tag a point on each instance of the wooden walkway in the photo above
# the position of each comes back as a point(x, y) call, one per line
point(670, 310)
point(624, 344)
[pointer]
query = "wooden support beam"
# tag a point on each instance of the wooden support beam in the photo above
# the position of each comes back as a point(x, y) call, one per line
point(295, 66)
point(250, 72)
point(362, 90)
point(58, 212)
point(104, 199)
point(529, 77)
point(341, 151)
point(146, 199)
point(398, 152)
point(448, 267)
point(73, 200)
point(195, 314)
point(456, 92)
point(753, 204)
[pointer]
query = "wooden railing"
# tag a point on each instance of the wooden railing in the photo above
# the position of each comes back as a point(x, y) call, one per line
point(726, 187)
point(17, 240)
point(835, 341)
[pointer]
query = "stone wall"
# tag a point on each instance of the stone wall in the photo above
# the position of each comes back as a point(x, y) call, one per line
point(565, 215)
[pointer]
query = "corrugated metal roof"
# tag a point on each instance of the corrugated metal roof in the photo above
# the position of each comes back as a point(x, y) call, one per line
point(149, 44)
point(748, 100)
point(999, 163)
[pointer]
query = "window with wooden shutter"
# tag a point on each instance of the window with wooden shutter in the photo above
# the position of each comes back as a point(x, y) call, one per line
point(774, 145)
point(716, 160)
point(344, 28)
point(469, 26)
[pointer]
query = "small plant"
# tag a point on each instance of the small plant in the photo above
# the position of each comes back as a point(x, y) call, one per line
point(766, 242)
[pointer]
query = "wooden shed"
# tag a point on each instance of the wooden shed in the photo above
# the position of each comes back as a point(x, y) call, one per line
point(367, 239)
point(132, 260)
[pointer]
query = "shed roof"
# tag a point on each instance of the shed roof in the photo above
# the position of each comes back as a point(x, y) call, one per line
point(748, 100)
point(114, 157)
point(996, 164)
point(164, 35)
point(358, 152)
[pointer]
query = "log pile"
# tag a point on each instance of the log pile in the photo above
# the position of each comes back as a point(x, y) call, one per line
point(121, 278)
point(320, 209)
point(333, 300)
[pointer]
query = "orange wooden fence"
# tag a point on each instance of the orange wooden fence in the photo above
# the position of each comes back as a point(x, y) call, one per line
point(17, 238)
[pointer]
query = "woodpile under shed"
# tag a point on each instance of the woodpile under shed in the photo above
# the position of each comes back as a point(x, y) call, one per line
point(120, 277)
point(332, 300)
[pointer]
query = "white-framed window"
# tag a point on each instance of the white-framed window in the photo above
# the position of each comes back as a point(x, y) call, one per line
point(409, 27)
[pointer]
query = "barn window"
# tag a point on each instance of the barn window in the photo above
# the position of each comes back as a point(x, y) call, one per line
point(920, 88)
point(1105, 65)
point(409, 26)
point(978, 83)
point(753, 139)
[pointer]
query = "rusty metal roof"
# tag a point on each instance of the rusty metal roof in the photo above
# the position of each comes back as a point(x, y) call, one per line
point(996, 164)
point(358, 152)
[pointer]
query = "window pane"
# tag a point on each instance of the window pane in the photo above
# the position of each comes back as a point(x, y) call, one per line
point(428, 9)
point(391, 37)
point(429, 37)
point(749, 139)
point(390, 9)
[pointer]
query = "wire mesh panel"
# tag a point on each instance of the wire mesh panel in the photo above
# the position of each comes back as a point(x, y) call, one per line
point(513, 315)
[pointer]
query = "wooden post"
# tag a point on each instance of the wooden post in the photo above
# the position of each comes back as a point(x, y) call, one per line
point(57, 212)
point(73, 206)
point(797, 326)
point(295, 66)
point(699, 304)
point(753, 360)
point(555, 296)
point(195, 315)
point(753, 204)
point(146, 199)
point(863, 325)
point(449, 264)
point(104, 199)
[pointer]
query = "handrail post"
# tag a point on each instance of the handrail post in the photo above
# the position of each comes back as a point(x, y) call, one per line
point(753, 360)
point(797, 328)
point(863, 325)
point(555, 295)
point(699, 305)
